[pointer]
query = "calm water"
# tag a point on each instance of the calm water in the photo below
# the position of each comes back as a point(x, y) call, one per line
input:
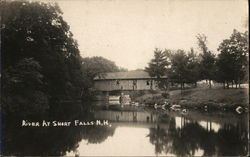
point(142, 132)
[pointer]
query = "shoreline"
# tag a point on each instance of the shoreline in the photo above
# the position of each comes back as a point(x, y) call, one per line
point(195, 98)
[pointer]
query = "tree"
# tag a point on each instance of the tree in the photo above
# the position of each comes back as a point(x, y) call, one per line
point(177, 65)
point(178, 71)
point(224, 69)
point(184, 67)
point(158, 67)
point(207, 63)
point(232, 63)
point(193, 67)
point(94, 66)
point(25, 75)
point(37, 30)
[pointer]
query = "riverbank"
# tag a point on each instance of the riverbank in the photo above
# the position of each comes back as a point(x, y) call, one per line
point(215, 98)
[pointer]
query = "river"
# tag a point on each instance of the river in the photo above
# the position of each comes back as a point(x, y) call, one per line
point(141, 131)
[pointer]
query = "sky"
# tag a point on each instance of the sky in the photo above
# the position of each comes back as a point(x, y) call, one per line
point(128, 31)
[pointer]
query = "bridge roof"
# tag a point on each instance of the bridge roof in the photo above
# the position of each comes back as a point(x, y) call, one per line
point(135, 74)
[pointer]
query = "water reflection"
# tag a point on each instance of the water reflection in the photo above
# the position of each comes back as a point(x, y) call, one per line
point(192, 139)
point(171, 134)
point(50, 141)
point(143, 132)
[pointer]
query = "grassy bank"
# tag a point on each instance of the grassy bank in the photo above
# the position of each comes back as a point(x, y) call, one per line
point(216, 98)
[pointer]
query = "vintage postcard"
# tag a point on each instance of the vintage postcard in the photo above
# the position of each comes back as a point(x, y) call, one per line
point(124, 78)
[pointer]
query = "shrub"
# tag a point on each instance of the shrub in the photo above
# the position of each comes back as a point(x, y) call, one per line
point(165, 95)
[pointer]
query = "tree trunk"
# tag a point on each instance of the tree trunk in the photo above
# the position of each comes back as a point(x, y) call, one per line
point(227, 85)
point(210, 84)
point(238, 82)
point(236, 85)
point(232, 84)
point(181, 88)
point(224, 85)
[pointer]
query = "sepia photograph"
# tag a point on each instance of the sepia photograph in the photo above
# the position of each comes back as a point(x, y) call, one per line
point(124, 78)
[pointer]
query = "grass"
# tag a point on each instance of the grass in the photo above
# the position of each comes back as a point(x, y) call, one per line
point(199, 97)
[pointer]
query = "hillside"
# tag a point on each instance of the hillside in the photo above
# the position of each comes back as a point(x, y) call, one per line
point(200, 97)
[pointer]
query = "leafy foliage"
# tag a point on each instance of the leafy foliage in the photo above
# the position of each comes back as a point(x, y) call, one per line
point(38, 51)
point(232, 62)
point(193, 67)
point(231, 65)
point(178, 66)
point(207, 63)
point(94, 66)
point(157, 67)
point(23, 88)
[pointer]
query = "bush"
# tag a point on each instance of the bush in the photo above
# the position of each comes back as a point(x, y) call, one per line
point(154, 100)
point(135, 94)
point(165, 95)
point(153, 91)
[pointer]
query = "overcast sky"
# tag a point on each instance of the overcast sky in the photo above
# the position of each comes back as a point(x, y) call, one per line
point(128, 31)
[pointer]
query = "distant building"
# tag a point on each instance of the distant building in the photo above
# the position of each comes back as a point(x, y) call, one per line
point(131, 80)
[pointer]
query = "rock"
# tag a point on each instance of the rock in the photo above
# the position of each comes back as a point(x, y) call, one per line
point(163, 106)
point(155, 106)
point(184, 111)
point(206, 108)
point(239, 109)
point(175, 107)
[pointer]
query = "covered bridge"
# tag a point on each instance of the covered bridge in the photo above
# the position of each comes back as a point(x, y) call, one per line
point(130, 80)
